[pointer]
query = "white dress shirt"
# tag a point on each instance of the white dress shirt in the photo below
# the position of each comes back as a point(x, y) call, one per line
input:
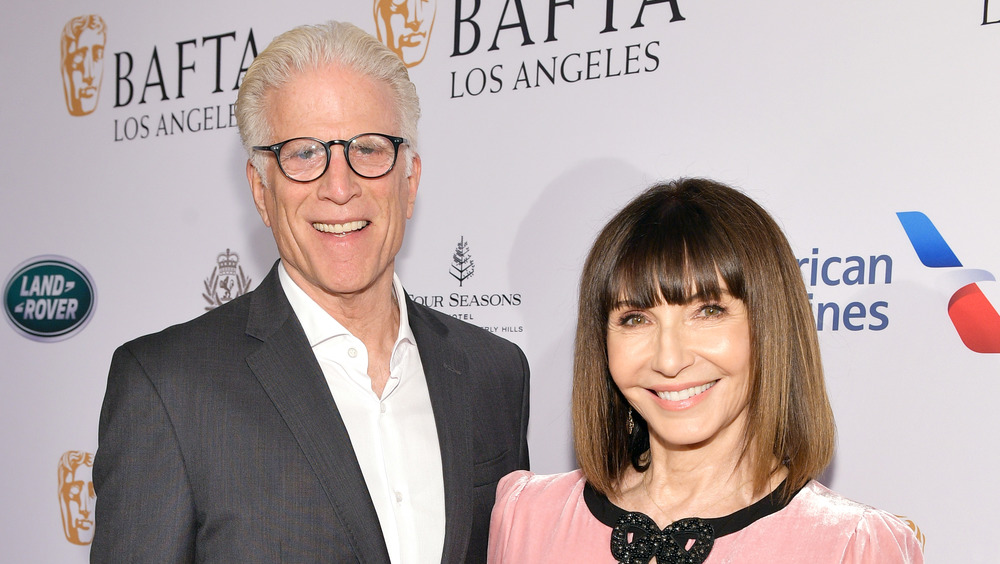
point(394, 437)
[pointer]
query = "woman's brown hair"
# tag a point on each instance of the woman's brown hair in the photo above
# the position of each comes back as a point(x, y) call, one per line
point(676, 242)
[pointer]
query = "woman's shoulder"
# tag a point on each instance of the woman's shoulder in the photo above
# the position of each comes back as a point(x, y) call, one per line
point(837, 507)
point(523, 485)
point(871, 531)
point(544, 518)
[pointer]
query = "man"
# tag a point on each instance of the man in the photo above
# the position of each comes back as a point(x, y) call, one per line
point(323, 417)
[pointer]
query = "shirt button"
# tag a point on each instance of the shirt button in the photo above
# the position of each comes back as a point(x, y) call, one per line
point(382, 407)
point(399, 497)
point(352, 352)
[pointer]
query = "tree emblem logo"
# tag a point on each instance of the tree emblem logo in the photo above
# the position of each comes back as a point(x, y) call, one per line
point(462, 265)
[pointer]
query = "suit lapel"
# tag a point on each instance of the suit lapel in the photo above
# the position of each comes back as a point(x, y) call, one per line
point(444, 366)
point(288, 371)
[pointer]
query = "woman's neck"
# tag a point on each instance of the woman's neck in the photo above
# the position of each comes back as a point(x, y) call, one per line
point(679, 484)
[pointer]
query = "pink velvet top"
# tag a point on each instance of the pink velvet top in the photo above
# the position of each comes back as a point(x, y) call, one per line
point(547, 519)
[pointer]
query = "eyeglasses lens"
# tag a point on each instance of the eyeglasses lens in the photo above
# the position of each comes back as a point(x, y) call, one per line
point(305, 159)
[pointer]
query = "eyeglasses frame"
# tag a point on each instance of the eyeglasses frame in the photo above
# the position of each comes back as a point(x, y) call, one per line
point(276, 149)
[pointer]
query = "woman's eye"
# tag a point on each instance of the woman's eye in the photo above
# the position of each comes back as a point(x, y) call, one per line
point(631, 320)
point(712, 310)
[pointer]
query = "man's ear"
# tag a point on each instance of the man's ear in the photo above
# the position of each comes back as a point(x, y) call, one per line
point(412, 182)
point(260, 192)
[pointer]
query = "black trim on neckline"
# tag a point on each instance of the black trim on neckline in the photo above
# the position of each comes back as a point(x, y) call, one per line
point(608, 513)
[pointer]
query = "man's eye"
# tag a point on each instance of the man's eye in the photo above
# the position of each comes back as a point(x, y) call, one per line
point(305, 154)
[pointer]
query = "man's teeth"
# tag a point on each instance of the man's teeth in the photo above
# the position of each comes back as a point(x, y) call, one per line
point(340, 228)
point(685, 394)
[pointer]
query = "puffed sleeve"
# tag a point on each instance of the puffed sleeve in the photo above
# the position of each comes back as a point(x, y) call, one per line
point(882, 538)
point(504, 514)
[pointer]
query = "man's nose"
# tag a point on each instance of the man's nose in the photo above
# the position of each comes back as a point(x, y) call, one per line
point(339, 183)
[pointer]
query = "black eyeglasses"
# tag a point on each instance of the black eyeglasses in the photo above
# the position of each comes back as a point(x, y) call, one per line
point(304, 159)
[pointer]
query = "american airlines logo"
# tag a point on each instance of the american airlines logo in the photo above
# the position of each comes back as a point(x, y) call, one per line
point(973, 314)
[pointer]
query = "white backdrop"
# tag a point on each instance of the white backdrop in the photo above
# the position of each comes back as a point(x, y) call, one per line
point(835, 116)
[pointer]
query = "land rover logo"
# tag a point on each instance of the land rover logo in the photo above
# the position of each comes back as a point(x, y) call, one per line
point(49, 298)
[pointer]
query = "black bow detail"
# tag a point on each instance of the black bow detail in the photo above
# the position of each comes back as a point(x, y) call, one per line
point(669, 546)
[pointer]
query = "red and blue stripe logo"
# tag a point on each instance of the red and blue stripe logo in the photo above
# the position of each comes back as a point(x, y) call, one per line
point(975, 318)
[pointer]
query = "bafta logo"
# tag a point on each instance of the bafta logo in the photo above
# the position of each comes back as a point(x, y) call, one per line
point(405, 27)
point(913, 526)
point(76, 496)
point(83, 41)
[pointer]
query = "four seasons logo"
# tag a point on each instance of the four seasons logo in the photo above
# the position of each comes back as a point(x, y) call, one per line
point(82, 62)
point(462, 265)
point(405, 27)
point(226, 282)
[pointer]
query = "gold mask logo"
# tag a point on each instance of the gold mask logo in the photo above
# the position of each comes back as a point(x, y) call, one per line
point(82, 58)
point(916, 530)
point(77, 496)
point(405, 27)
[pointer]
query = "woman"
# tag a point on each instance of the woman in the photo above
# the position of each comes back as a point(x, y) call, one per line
point(700, 415)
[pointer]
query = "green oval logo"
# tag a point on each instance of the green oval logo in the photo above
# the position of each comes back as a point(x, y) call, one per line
point(49, 298)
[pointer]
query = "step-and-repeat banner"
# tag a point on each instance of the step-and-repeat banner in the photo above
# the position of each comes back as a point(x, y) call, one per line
point(869, 129)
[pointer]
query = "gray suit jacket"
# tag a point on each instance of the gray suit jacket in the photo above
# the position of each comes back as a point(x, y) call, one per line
point(220, 441)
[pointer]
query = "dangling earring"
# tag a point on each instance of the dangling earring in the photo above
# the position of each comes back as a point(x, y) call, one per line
point(629, 424)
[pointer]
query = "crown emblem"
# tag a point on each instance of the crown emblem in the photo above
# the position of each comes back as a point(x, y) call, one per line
point(228, 263)
point(227, 280)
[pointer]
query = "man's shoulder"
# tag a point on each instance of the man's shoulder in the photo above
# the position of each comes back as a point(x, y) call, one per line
point(225, 320)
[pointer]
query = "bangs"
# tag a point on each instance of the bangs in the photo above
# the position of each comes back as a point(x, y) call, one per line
point(674, 255)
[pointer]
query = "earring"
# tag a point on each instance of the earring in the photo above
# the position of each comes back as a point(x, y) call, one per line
point(629, 423)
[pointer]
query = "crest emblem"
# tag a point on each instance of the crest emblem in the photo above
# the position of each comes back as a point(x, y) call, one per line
point(227, 281)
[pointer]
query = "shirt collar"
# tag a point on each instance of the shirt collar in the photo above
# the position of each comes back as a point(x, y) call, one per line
point(320, 326)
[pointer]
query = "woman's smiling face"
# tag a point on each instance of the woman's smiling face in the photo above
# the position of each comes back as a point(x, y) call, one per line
point(685, 368)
